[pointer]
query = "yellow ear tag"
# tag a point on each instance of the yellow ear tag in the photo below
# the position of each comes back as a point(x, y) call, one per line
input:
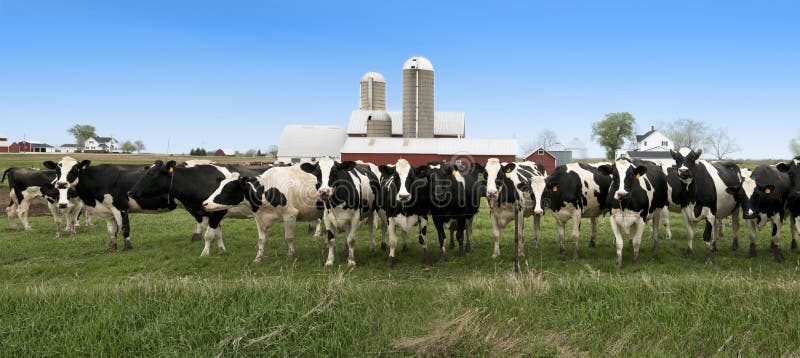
point(83, 167)
point(455, 172)
point(768, 190)
point(555, 189)
point(638, 176)
point(171, 169)
point(508, 171)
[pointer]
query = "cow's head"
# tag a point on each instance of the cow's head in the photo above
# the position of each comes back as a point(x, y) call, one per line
point(407, 179)
point(749, 194)
point(623, 176)
point(329, 174)
point(497, 178)
point(155, 181)
point(793, 169)
point(68, 173)
point(230, 192)
point(686, 161)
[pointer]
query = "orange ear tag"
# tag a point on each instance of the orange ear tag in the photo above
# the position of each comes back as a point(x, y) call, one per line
point(83, 167)
point(555, 189)
point(638, 176)
point(171, 169)
point(455, 172)
point(508, 171)
point(768, 190)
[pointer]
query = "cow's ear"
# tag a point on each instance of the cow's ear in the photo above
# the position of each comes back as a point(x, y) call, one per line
point(640, 170)
point(170, 167)
point(606, 169)
point(782, 166)
point(386, 170)
point(308, 168)
point(675, 155)
point(508, 168)
point(49, 164)
point(698, 153)
point(85, 164)
point(347, 165)
point(422, 171)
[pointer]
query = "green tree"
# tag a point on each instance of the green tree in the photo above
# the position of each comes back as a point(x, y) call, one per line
point(794, 145)
point(192, 152)
point(128, 147)
point(82, 132)
point(612, 131)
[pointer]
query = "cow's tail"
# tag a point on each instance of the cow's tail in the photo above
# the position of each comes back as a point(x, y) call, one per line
point(6, 173)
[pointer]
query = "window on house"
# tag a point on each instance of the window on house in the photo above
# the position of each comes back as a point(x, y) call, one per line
point(665, 143)
point(645, 143)
point(541, 152)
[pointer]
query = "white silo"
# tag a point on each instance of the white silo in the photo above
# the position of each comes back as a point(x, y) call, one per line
point(373, 92)
point(379, 124)
point(418, 98)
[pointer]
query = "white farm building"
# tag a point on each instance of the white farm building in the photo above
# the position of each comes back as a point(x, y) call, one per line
point(305, 143)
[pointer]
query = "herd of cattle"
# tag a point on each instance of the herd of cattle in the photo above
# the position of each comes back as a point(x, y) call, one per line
point(342, 195)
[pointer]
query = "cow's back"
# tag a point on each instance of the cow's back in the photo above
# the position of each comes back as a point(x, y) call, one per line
point(299, 188)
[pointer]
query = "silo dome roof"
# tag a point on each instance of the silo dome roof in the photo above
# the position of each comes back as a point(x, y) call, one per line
point(418, 62)
point(377, 115)
point(375, 76)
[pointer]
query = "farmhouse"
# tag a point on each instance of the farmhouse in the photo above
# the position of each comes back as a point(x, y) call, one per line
point(68, 148)
point(653, 146)
point(417, 133)
point(101, 145)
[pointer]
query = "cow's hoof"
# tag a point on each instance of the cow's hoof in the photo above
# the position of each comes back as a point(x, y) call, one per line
point(618, 263)
point(384, 246)
point(127, 246)
point(351, 263)
point(205, 254)
point(405, 248)
point(289, 258)
point(772, 245)
point(778, 256)
point(536, 243)
point(735, 245)
point(27, 228)
point(390, 262)
point(562, 250)
point(495, 254)
point(257, 260)
point(221, 250)
point(709, 256)
point(468, 248)
point(714, 246)
point(328, 264)
point(112, 245)
point(592, 244)
point(636, 259)
point(195, 237)
point(452, 245)
point(689, 253)
point(442, 257)
point(372, 248)
point(575, 256)
point(58, 235)
point(752, 252)
point(427, 258)
point(794, 246)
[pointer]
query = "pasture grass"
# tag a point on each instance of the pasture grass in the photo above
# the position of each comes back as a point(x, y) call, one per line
point(70, 296)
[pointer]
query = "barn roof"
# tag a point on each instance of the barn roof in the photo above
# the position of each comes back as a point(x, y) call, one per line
point(439, 146)
point(444, 123)
point(305, 141)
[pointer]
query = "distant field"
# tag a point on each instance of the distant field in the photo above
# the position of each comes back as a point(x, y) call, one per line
point(70, 296)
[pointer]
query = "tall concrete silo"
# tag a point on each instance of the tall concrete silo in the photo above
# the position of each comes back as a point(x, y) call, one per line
point(418, 98)
point(373, 92)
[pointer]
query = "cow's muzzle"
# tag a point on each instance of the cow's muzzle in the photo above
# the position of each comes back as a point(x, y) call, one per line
point(62, 185)
point(62, 205)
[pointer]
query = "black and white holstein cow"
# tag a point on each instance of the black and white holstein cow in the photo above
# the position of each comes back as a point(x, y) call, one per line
point(793, 200)
point(189, 186)
point(514, 188)
point(348, 191)
point(27, 184)
point(104, 190)
point(763, 197)
point(707, 186)
point(638, 194)
point(279, 195)
point(454, 197)
point(577, 191)
point(404, 200)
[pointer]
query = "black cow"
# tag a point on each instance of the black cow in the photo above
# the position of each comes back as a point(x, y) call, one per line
point(404, 199)
point(104, 189)
point(763, 197)
point(454, 194)
point(27, 184)
point(348, 191)
point(709, 198)
point(190, 185)
point(576, 191)
point(793, 201)
point(638, 194)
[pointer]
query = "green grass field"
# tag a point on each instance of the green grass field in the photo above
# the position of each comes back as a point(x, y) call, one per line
point(70, 296)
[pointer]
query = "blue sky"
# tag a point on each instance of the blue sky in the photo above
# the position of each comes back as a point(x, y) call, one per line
point(232, 74)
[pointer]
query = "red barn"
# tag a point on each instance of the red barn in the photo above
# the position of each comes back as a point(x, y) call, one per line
point(543, 157)
point(4, 144)
point(419, 151)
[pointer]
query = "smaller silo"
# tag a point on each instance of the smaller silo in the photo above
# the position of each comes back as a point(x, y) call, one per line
point(379, 124)
point(373, 92)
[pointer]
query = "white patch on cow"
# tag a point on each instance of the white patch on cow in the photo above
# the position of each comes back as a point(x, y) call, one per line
point(63, 198)
point(538, 186)
point(209, 204)
point(746, 173)
point(459, 178)
point(403, 169)
point(685, 151)
point(622, 167)
point(325, 166)
point(590, 192)
point(197, 162)
point(726, 203)
point(749, 188)
point(493, 168)
point(65, 165)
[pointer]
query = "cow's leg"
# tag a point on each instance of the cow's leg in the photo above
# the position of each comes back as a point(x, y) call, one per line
point(793, 230)
point(709, 235)
point(561, 227)
point(496, 234)
point(289, 225)
point(11, 210)
point(56, 217)
point(263, 227)
point(665, 222)
point(209, 235)
point(330, 227)
point(654, 230)
point(200, 223)
point(777, 223)
point(537, 226)
point(735, 227)
point(576, 234)
point(351, 238)
point(439, 224)
point(126, 230)
point(384, 229)
point(593, 238)
point(521, 223)
point(753, 231)
point(461, 224)
point(392, 240)
point(111, 225)
point(687, 223)
point(468, 229)
point(452, 228)
point(318, 229)
point(619, 242)
point(22, 213)
point(423, 240)
point(87, 217)
point(371, 227)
